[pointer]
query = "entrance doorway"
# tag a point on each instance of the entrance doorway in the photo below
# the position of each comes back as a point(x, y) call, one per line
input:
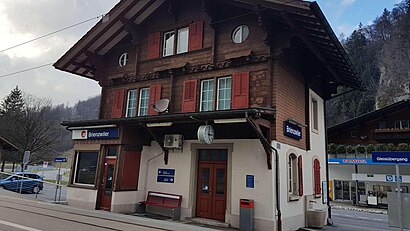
point(106, 187)
point(211, 188)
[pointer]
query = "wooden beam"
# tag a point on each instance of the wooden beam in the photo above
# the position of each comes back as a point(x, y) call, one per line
point(311, 46)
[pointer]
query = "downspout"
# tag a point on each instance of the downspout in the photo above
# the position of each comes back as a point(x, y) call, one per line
point(277, 191)
point(147, 168)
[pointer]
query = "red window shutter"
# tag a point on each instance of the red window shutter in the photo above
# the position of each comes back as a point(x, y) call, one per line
point(300, 175)
point(118, 104)
point(316, 178)
point(154, 45)
point(130, 169)
point(240, 90)
point(189, 96)
point(196, 34)
point(154, 95)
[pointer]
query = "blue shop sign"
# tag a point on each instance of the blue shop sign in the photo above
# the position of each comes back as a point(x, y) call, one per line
point(103, 133)
point(358, 161)
point(165, 179)
point(391, 157)
point(292, 130)
point(166, 172)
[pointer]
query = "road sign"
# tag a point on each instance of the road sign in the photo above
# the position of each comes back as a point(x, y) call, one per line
point(389, 178)
point(60, 159)
point(391, 157)
point(26, 157)
point(45, 164)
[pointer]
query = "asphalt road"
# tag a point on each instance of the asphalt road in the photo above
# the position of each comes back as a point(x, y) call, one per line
point(346, 220)
point(18, 213)
point(48, 193)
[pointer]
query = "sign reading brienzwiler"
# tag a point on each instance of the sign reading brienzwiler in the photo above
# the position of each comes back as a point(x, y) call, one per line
point(391, 157)
point(94, 134)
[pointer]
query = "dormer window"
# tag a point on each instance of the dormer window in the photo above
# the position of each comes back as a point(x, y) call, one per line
point(240, 34)
point(122, 61)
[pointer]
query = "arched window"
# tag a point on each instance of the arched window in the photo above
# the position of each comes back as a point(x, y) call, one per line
point(316, 176)
point(295, 178)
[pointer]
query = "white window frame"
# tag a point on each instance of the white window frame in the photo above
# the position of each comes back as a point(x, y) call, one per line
point(77, 154)
point(172, 44)
point(315, 115)
point(242, 36)
point(143, 109)
point(218, 97)
point(123, 60)
point(133, 106)
point(182, 47)
point(209, 90)
point(293, 181)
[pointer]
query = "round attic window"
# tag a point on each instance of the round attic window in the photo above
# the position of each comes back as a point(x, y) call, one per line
point(240, 34)
point(122, 61)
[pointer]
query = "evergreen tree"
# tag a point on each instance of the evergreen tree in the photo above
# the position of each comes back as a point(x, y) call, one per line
point(13, 104)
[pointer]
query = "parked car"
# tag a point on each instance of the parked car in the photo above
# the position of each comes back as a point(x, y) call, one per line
point(31, 184)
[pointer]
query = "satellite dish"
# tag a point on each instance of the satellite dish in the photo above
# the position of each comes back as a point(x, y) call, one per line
point(161, 105)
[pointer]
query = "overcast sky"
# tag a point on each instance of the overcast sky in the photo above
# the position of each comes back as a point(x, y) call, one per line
point(22, 20)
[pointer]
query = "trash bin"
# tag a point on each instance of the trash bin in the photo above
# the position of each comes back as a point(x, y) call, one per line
point(246, 215)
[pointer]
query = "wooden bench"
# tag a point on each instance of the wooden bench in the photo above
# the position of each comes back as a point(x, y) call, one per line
point(163, 204)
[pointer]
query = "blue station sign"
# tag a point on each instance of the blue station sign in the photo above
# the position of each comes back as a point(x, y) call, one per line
point(60, 159)
point(104, 133)
point(391, 157)
point(292, 130)
point(166, 175)
point(250, 181)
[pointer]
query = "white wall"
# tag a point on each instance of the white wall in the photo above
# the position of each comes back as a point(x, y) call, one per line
point(82, 198)
point(247, 158)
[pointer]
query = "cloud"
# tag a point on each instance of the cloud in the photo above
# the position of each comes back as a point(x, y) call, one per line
point(22, 20)
point(347, 3)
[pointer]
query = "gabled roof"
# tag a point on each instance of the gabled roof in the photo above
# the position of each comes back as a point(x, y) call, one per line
point(7, 145)
point(371, 116)
point(303, 16)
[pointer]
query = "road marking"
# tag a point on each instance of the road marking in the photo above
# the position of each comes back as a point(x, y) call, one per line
point(354, 227)
point(18, 226)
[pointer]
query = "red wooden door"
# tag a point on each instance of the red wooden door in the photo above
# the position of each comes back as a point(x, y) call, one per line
point(211, 189)
point(106, 187)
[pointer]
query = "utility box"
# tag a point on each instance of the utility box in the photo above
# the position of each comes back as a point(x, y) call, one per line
point(246, 222)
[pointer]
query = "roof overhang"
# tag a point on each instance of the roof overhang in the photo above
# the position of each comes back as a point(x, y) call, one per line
point(304, 16)
point(7, 145)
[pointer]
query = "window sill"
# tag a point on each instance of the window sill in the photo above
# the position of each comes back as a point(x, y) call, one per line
point(176, 55)
point(93, 187)
point(293, 198)
point(318, 195)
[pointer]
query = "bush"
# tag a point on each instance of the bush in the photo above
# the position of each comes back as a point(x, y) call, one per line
point(341, 149)
point(331, 148)
point(351, 149)
point(370, 148)
point(361, 149)
point(381, 147)
point(402, 147)
point(391, 147)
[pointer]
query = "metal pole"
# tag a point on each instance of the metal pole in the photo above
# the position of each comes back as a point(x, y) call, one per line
point(59, 180)
point(357, 185)
point(399, 207)
point(22, 174)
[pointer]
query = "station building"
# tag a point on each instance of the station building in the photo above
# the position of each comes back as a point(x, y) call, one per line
point(354, 174)
point(215, 101)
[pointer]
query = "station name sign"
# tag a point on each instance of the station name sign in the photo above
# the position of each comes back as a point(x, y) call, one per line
point(292, 130)
point(94, 134)
point(391, 157)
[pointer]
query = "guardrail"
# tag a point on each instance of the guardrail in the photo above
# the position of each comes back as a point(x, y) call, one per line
point(21, 182)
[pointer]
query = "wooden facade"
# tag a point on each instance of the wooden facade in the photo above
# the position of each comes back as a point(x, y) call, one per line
point(383, 126)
